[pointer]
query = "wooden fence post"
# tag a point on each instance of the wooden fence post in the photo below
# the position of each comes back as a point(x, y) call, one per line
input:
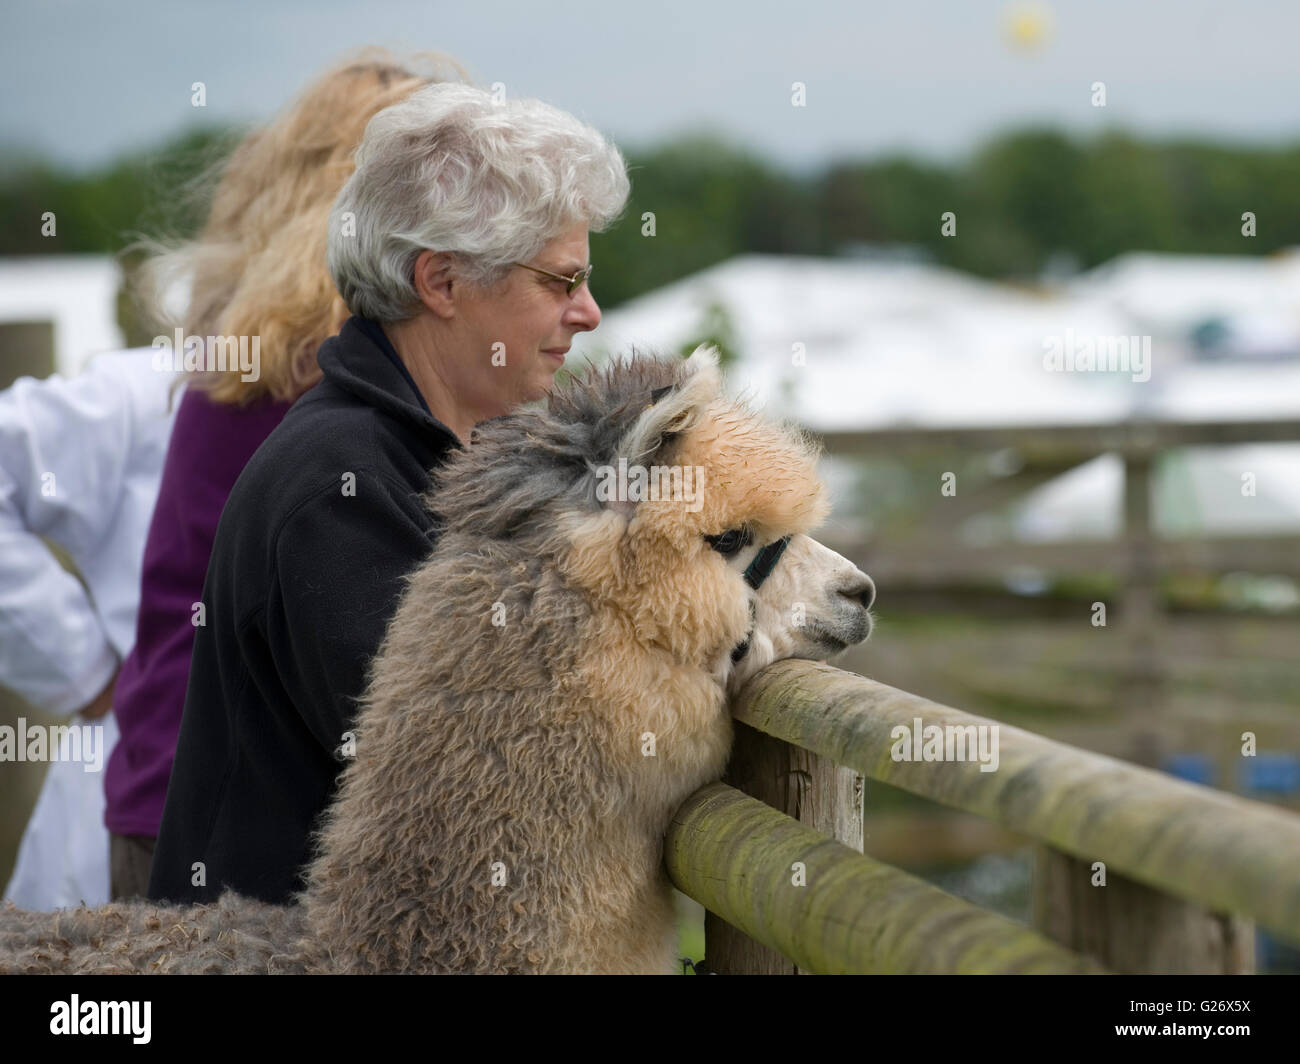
point(1132, 928)
point(1140, 612)
point(1127, 925)
point(811, 789)
point(26, 350)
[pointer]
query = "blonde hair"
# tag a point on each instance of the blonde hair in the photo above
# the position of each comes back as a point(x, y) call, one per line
point(259, 265)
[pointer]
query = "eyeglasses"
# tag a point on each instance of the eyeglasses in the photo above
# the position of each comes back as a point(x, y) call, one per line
point(575, 282)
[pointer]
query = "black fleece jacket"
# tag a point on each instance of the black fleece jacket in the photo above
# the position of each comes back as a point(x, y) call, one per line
point(306, 570)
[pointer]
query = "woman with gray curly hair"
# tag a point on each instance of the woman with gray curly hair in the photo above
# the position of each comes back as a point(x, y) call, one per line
point(459, 245)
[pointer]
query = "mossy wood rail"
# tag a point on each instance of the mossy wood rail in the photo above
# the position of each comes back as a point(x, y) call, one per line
point(1169, 847)
point(734, 854)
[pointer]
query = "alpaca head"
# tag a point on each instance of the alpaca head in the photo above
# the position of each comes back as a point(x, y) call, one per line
point(653, 492)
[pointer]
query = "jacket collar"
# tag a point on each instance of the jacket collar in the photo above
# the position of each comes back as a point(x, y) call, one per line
point(362, 361)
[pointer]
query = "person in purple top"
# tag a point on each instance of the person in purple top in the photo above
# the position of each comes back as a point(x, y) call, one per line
point(258, 273)
point(210, 444)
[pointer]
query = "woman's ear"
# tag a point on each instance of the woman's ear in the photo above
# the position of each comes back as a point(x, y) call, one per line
point(433, 278)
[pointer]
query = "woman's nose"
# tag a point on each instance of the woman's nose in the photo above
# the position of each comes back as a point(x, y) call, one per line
point(584, 312)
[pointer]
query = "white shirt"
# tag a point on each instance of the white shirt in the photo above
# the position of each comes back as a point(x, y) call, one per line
point(80, 463)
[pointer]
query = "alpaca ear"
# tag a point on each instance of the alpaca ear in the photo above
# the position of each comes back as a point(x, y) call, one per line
point(705, 359)
point(674, 409)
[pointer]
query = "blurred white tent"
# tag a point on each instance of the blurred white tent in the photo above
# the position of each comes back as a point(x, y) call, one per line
point(1254, 300)
point(1197, 492)
point(76, 293)
point(882, 343)
point(905, 344)
point(845, 344)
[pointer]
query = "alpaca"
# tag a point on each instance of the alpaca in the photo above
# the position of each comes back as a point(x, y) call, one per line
point(553, 685)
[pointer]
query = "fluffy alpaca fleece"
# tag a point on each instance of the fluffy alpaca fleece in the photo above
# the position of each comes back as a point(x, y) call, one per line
point(553, 685)
point(236, 934)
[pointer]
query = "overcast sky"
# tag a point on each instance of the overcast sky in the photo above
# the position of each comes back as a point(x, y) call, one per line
point(83, 80)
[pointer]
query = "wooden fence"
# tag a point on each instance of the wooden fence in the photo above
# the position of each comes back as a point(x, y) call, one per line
point(929, 555)
point(1137, 871)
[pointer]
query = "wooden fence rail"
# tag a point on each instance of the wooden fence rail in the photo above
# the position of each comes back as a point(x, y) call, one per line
point(1168, 847)
point(832, 910)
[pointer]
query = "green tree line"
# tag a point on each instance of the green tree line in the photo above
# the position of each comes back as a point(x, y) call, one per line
point(1020, 202)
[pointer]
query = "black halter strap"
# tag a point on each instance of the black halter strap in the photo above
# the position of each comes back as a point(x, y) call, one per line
point(765, 561)
point(759, 570)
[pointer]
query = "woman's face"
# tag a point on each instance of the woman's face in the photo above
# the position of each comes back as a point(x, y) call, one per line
point(526, 323)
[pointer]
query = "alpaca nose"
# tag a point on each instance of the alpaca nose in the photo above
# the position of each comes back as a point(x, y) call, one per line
point(861, 590)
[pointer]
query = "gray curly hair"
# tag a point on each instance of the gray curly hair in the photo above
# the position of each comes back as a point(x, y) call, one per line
point(454, 169)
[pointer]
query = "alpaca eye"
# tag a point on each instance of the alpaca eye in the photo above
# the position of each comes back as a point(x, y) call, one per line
point(731, 541)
